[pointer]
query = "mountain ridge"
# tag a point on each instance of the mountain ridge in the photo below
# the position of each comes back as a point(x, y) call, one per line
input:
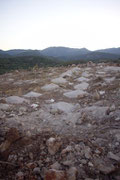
point(64, 53)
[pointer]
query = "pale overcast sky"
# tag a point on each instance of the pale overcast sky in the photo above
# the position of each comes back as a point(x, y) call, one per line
point(37, 24)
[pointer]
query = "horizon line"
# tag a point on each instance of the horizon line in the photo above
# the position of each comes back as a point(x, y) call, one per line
point(58, 47)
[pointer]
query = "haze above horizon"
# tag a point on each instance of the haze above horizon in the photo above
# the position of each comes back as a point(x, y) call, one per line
point(37, 24)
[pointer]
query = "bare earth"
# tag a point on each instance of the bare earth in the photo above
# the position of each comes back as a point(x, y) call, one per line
point(60, 123)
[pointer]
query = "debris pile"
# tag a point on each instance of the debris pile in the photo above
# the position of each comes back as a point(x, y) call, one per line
point(62, 125)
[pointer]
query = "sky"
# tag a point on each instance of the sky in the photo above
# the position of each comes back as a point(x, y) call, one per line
point(38, 24)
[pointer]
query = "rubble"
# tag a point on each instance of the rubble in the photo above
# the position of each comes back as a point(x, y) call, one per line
point(113, 156)
point(67, 127)
point(104, 167)
point(72, 173)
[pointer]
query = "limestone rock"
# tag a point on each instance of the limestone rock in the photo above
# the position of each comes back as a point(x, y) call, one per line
point(32, 95)
point(4, 106)
point(20, 176)
point(71, 72)
point(53, 145)
point(36, 171)
point(113, 156)
point(56, 166)
point(68, 163)
point(66, 150)
point(112, 68)
point(87, 152)
point(62, 106)
point(50, 87)
point(82, 86)
point(104, 167)
point(85, 74)
point(75, 93)
point(59, 80)
point(82, 79)
point(117, 137)
point(16, 100)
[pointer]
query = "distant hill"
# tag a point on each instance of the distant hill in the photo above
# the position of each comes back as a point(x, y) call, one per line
point(23, 52)
point(4, 54)
point(110, 50)
point(63, 51)
point(53, 56)
point(30, 53)
point(81, 54)
point(100, 56)
point(15, 52)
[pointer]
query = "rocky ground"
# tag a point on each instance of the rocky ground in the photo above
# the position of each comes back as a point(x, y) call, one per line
point(61, 123)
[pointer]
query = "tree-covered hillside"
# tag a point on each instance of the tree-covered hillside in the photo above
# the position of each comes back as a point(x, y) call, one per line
point(8, 64)
point(28, 62)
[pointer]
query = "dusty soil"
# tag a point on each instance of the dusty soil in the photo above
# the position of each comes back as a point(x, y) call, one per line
point(61, 123)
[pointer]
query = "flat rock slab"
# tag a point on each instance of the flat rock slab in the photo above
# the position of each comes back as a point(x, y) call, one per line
point(4, 106)
point(82, 79)
point(75, 93)
point(50, 87)
point(59, 80)
point(74, 118)
point(112, 68)
point(101, 72)
point(32, 94)
point(16, 100)
point(23, 81)
point(62, 106)
point(82, 86)
point(96, 111)
point(86, 74)
point(109, 80)
point(71, 72)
